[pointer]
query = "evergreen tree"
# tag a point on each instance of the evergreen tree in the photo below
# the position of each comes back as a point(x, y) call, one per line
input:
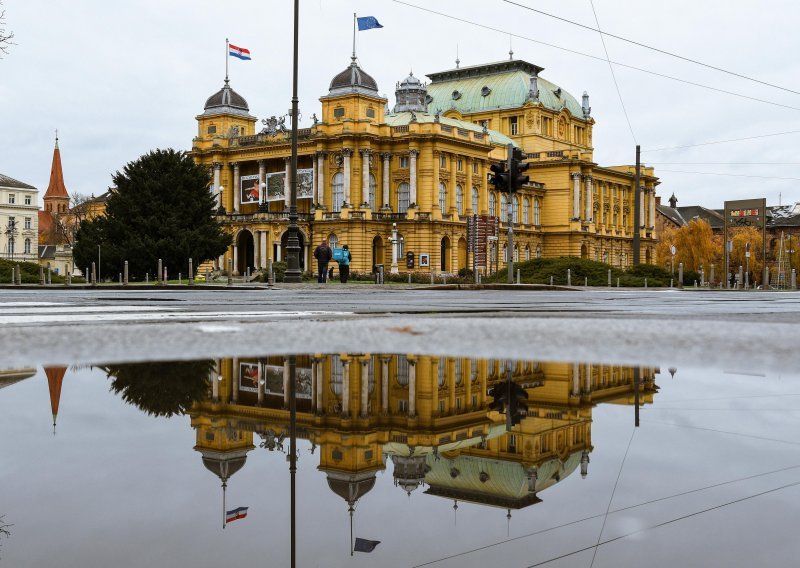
point(161, 208)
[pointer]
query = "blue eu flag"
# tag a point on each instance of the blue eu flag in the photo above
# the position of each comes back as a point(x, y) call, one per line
point(368, 23)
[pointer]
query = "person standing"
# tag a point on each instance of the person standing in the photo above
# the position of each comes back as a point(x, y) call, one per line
point(344, 264)
point(323, 254)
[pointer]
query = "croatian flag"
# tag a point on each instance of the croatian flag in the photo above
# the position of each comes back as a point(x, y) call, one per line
point(368, 23)
point(240, 52)
point(236, 514)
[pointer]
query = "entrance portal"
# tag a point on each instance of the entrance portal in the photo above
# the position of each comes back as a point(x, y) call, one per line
point(246, 252)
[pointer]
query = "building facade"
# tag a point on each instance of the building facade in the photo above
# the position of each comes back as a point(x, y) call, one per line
point(19, 205)
point(398, 185)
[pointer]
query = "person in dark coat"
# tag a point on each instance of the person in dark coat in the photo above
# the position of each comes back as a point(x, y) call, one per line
point(344, 264)
point(323, 254)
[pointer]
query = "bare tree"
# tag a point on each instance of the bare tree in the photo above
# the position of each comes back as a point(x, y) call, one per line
point(5, 529)
point(5, 35)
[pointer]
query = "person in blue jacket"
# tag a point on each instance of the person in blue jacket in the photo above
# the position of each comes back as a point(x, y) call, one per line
point(344, 264)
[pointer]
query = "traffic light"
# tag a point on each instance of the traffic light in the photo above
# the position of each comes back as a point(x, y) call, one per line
point(499, 395)
point(499, 176)
point(518, 167)
point(517, 409)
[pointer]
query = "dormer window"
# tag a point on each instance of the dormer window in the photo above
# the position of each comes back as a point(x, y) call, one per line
point(456, 95)
point(485, 91)
point(338, 112)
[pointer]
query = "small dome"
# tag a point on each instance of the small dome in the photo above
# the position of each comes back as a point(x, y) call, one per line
point(410, 81)
point(351, 488)
point(226, 101)
point(411, 95)
point(353, 79)
point(224, 468)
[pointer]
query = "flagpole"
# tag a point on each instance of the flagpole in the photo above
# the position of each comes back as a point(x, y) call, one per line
point(351, 529)
point(227, 55)
point(354, 36)
point(224, 515)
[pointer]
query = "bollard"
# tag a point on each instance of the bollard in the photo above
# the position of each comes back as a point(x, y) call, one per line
point(645, 283)
point(16, 278)
point(711, 276)
point(191, 273)
point(67, 276)
point(794, 279)
point(180, 277)
point(617, 281)
point(740, 280)
point(94, 275)
point(160, 272)
point(86, 277)
point(551, 280)
point(41, 276)
point(120, 278)
point(518, 277)
point(569, 277)
point(230, 272)
point(671, 282)
point(585, 281)
point(49, 275)
point(19, 275)
point(146, 277)
point(609, 278)
point(431, 276)
point(680, 275)
point(409, 278)
point(208, 276)
point(125, 274)
point(270, 274)
point(166, 278)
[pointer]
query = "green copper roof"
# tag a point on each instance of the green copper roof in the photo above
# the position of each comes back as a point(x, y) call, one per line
point(405, 118)
point(495, 86)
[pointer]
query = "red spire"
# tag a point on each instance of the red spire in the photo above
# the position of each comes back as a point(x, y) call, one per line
point(56, 188)
point(55, 375)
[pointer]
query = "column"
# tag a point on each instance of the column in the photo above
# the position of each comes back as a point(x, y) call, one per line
point(651, 222)
point(387, 157)
point(412, 173)
point(642, 196)
point(576, 379)
point(394, 268)
point(345, 388)
point(221, 262)
point(236, 193)
point(217, 193)
point(364, 388)
point(235, 257)
point(263, 246)
point(285, 383)
point(314, 365)
point(576, 195)
point(261, 386)
point(257, 249)
point(589, 204)
point(365, 159)
point(235, 380)
point(587, 378)
point(434, 200)
point(468, 190)
point(412, 389)
point(215, 377)
point(451, 191)
point(286, 189)
point(313, 182)
point(319, 379)
point(385, 385)
point(321, 179)
point(346, 153)
point(262, 174)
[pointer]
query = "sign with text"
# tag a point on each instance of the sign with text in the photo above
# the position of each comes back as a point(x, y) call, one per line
point(479, 229)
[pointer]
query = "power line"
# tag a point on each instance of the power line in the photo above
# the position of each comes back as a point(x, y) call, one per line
point(712, 142)
point(662, 51)
point(592, 517)
point(613, 76)
point(729, 175)
point(743, 435)
point(595, 57)
point(675, 520)
point(724, 163)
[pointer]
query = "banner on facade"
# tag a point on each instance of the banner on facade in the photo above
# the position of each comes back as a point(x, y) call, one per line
point(305, 184)
point(273, 381)
point(276, 186)
point(248, 376)
point(249, 190)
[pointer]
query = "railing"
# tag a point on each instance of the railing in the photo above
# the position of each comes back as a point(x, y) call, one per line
point(264, 216)
point(400, 128)
point(255, 139)
point(446, 128)
point(327, 215)
point(462, 132)
point(389, 216)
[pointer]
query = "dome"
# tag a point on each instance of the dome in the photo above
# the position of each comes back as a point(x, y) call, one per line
point(224, 468)
point(410, 81)
point(226, 101)
point(353, 80)
point(353, 487)
point(409, 471)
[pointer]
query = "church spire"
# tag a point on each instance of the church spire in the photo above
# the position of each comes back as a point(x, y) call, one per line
point(56, 187)
point(55, 376)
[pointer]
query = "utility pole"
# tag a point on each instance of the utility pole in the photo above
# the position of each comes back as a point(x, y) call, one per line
point(293, 242)
point(637, 222)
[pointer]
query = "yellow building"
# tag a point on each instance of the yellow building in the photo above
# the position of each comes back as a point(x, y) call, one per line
point(393, 183)
point(428, 415)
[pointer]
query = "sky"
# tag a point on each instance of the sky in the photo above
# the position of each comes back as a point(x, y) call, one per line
point(118, 79)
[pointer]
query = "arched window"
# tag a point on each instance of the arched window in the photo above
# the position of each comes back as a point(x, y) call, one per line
point(401, 246)
point(402, 197)
point(493, 204)
point(338, 192)
point(536, 209)
point(27, 246)
point(538, 251)
point(333, 240)
point(442, 198)
point(505, 253)
point(526, 211)
point(503, 208)
point(402, 370)
point(459, 200)
point(516, 253)
point(515, 212)
point(527, 252)
point(474, 200)
point(372, 184)
point(337, 375)
point(459, 371)
point(442, 367)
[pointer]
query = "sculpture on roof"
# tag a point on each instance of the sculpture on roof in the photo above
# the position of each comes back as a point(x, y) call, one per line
point(273, 125)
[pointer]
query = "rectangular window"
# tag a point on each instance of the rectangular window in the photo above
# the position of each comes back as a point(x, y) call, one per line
point(212, 129)
point(402, 406)
point(547, 126)
point(458, 403)
point(27, 200)
point(370, 113)
point(12, 198)
point(441, 407)
point(513, 125)
point(27, 222)
point(474, 167)
point(403, 161)
point(459, 164)
point(442, 162)
point(338, 112)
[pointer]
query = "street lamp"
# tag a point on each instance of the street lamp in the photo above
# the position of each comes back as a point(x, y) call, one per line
point(292, 273)
point(221, 208)
point(11, 232)
point(394, 269)
point(264, 207)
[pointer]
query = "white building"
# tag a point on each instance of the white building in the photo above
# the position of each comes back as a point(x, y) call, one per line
point(19, 220)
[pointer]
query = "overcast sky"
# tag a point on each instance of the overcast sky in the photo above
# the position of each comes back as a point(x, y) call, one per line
point(120, 78)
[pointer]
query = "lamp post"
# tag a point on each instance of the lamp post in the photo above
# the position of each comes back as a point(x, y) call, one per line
point(221, 208)
point(293, 242)
point(264, 207)
point(11, 231)
point(394, 269)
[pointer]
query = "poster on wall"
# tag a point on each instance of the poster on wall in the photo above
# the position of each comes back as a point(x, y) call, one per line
point(305, 184)
point(249, 190)
point(248, 377)
point(276, 186)
point(273, 377)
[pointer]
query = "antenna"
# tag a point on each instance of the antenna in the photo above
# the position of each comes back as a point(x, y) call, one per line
point(510, 49)
point(458, 61)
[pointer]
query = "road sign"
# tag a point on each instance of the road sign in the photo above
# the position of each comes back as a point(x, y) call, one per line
point(673, 250)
